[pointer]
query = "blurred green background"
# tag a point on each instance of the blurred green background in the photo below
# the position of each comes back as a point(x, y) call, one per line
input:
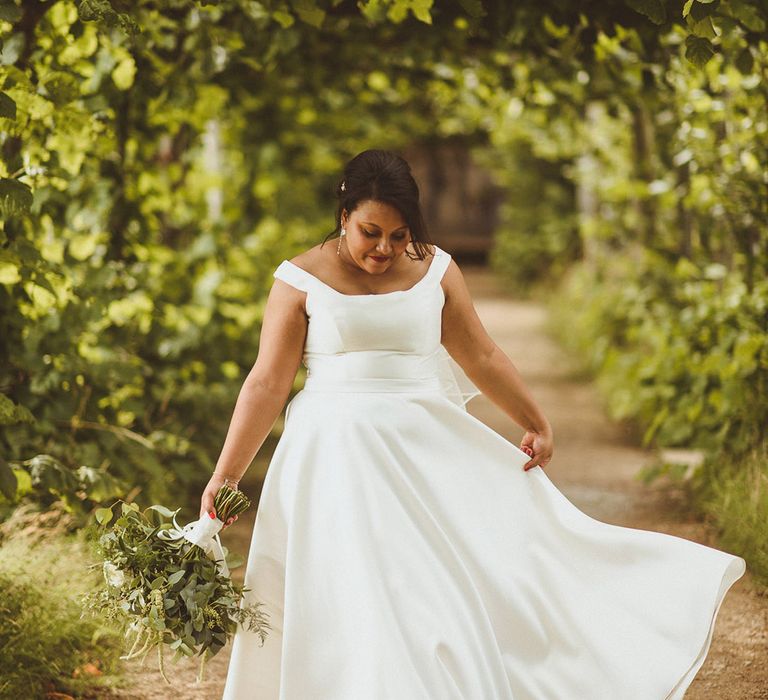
point(159, 159)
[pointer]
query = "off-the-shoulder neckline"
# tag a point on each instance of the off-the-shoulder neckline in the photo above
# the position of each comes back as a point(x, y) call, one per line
point(438, 251)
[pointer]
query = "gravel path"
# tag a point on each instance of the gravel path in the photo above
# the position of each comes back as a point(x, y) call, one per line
point(594, 465)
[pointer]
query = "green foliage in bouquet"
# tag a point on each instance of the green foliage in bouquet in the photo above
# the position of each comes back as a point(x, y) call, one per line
point(168, 591)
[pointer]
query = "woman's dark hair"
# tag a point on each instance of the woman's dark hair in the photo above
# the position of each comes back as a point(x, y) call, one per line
point(383, 176)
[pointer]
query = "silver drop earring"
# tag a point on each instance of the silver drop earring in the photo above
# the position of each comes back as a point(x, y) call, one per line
point(341, 235)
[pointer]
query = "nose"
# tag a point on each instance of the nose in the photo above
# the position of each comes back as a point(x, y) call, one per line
point(384, 246)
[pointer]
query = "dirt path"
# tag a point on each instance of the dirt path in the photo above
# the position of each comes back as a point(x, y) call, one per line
point(594, 466)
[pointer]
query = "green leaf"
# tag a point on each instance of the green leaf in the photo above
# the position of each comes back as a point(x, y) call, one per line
point(7, 106)
point(654, 10)
point(474, 8)
point(124, 73)
point(687, 7)
point(698, 50)
point(103, 515)
point(234, 560)
point(309, 12)
point(11, 413)
point(701, 10)
point(10, 12)
point(176, 577)
point(745, 62)
point(558, 32)
point(8, 482)
point(704, 28)
point(15, 197)
point(9, 273)
point(422, 10)
point(167, 512)
point(748, 15)
point(285, 19)
point(61, 87)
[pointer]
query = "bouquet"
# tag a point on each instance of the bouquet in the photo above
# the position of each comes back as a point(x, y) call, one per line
point(163, 584)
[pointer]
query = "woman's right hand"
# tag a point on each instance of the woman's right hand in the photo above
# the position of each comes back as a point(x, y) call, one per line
point(539, 447)
point(206, 501)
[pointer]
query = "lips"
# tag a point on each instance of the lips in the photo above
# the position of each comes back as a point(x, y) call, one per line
point(379, 258)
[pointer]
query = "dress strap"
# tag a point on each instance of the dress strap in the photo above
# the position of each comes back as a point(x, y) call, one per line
point(439, 264)
point(294, 275)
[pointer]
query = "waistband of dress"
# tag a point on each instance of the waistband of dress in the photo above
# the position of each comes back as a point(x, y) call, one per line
point(372, 384)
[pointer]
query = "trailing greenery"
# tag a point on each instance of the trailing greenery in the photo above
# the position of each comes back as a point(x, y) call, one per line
point(165, 591)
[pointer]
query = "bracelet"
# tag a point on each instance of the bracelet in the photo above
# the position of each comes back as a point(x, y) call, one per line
point(227, 479)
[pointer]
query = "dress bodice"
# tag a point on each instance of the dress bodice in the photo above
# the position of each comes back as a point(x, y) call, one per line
point(390, 336)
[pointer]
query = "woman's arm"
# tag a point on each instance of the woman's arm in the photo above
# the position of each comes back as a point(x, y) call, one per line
point(489, 368)
point(265, 389)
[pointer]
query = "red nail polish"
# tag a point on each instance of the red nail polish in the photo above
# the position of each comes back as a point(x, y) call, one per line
point(212, 514)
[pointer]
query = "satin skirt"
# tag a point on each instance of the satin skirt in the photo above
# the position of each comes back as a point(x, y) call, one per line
point(402, 553)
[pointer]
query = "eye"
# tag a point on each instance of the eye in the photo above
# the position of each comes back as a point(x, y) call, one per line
point(375, 234)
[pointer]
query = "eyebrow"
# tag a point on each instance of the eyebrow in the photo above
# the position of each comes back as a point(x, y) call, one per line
point(370, 223)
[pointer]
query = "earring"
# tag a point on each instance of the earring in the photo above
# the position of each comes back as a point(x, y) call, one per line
point(341, 235)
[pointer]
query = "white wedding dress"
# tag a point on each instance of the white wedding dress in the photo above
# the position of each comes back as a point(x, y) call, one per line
point(402, 553)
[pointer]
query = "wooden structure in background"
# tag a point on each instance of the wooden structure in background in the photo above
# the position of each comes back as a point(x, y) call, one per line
point(459, 199)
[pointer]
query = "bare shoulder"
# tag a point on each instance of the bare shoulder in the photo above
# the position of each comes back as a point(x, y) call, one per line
point(311, 259)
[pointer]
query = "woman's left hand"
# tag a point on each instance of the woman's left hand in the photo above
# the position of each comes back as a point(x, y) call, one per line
point(539, 447)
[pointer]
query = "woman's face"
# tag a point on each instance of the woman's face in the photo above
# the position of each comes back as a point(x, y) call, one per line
point(376, 237)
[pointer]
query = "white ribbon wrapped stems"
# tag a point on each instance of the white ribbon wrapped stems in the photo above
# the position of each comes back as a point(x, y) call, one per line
point(203, 532)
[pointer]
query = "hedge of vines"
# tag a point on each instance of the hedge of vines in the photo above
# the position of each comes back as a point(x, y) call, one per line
point(158, 159)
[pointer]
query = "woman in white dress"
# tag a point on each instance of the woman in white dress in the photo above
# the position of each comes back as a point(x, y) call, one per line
point(402, 549)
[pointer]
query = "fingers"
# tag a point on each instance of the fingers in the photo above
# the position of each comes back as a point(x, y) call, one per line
point(538, 457)
point(537, 460)
point(206, 505)
point(229, 522)
point(532, 461)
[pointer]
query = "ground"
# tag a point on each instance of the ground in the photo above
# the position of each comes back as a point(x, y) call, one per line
point(594, 465)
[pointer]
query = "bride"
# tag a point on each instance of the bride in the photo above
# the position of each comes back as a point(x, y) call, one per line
point(404, 550)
